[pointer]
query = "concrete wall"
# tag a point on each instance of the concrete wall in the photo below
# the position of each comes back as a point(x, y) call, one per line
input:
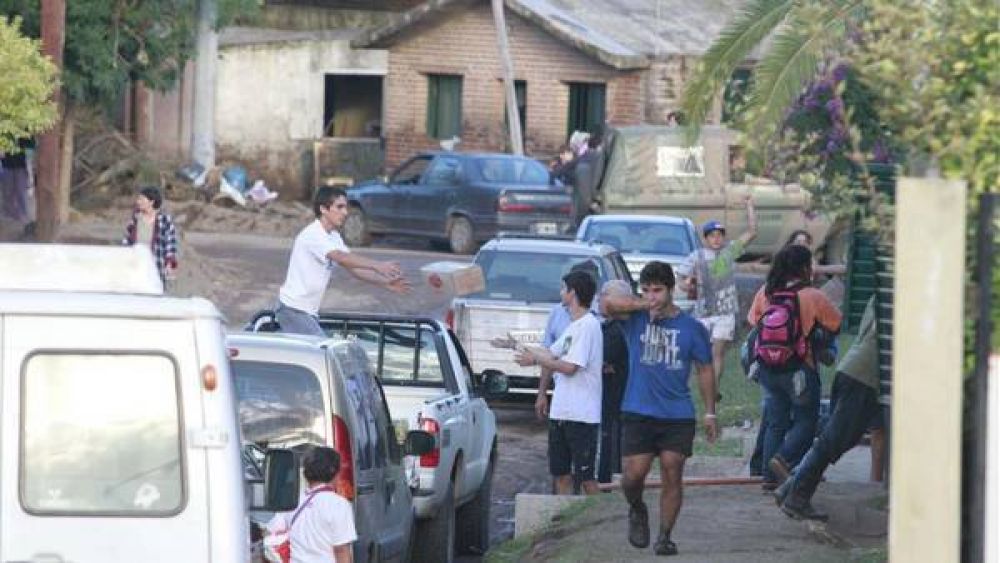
point(269, 105)
point(465, 44)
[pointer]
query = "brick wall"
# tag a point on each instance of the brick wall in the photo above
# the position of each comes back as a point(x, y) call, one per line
point(663, 87)
point(465, 44)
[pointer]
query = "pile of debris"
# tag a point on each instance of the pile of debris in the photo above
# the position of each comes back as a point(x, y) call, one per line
point(107, 164)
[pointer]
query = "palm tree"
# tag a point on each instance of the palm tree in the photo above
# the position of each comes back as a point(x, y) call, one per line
point(796, 35)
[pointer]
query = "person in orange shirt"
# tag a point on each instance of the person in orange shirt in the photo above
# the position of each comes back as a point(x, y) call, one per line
point(792, 386)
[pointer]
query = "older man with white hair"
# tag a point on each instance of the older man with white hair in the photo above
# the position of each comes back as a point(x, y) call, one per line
point(615, 374)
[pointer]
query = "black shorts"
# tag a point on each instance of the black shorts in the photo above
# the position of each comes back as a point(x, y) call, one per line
point(573, 448)
point(648, 435)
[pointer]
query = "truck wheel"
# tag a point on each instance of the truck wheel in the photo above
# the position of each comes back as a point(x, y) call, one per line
point(462, 237)
point(435, 537)
point(355, 228)
point(473, 519)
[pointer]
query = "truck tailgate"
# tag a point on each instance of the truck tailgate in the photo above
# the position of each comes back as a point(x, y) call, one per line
point(478, 322)
point(406, 402)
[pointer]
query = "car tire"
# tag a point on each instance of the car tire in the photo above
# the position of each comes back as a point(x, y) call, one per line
point(355, 229)
point(435, 537)
point(473, 519)
point(462, 236)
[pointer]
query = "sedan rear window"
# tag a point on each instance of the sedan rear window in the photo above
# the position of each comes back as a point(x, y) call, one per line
point(511, 171)
point(280, 405)
point(641, 237)
point(533, 277)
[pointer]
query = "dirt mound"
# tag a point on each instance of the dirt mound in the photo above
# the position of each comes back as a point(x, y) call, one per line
point(277, 219)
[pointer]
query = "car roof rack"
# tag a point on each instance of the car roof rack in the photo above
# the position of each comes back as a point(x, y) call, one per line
point(517, 235)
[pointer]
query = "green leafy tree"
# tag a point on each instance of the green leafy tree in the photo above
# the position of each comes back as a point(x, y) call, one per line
point(29, 79)
point(935, 68)
point(112, 42)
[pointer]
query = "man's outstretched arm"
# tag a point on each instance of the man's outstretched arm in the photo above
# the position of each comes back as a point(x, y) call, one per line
point(396, 285)
point(353, 261)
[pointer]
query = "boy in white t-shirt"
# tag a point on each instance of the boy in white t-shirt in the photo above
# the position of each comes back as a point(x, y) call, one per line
point(575, 361)
point(324, 528)
point(317, 251)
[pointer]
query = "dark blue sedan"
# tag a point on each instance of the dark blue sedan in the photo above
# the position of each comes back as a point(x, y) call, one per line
point(461, 198)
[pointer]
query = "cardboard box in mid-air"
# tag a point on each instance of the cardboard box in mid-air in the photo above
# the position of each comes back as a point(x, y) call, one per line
point(455, 278)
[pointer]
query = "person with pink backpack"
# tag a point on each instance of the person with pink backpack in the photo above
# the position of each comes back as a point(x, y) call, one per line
point(785, 312)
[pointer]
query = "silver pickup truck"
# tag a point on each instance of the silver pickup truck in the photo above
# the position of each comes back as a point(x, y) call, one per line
point(430, 385)
point(522, 286)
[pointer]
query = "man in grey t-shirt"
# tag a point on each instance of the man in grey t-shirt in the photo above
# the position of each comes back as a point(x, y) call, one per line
point(712, 269)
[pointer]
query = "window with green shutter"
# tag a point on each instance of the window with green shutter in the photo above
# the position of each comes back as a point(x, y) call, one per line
point(444, 105)
point(586, 107)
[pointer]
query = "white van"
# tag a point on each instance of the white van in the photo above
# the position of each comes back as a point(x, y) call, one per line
point(119, 438)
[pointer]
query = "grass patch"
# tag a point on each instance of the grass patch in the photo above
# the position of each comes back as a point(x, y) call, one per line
point(723, 447)
point(741, 397)
point(874, 555)
point(516, 549)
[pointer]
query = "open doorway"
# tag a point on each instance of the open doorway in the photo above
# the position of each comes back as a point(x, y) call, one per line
point(352, 106)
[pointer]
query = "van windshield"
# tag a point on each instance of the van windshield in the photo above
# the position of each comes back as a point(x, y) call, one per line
point(532, 277)
point(280, 405)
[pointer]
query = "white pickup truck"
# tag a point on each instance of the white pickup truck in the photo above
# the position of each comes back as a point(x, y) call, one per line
point(523, 275)
point(429, 385)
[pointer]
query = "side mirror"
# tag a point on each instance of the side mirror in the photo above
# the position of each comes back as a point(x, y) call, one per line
point(494, 384)
point(279, 491)
point(418, 443)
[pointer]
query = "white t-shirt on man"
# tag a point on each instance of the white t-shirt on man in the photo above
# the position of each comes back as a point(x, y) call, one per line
point(309, 269)
point(326, 522)
point(577, 397)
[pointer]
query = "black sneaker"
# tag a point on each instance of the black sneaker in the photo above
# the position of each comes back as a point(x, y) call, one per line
point(638, 525)
point(801, 509)
point(664, 546)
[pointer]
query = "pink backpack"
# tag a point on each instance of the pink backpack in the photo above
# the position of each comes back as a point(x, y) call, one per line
point(781, 342)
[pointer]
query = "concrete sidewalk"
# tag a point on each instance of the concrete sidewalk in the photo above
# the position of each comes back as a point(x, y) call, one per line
point(718, 523)
point(737, 523)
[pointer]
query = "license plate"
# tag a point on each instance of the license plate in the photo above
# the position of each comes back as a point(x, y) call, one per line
point(545, 228)
point(526, 337)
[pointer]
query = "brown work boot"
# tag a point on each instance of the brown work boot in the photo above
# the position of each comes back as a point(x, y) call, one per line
point(638, 525)
point(780, 468)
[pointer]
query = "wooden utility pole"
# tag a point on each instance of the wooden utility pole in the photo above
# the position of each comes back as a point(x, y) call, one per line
point(48, 198)
point(513, 117)
point(203, 121)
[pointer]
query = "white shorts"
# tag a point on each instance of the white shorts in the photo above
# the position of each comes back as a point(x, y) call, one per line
point(721, 327)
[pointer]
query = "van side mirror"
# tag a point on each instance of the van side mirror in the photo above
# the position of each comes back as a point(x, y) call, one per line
point(418, 443)
point(494, 384)
point(279, 491)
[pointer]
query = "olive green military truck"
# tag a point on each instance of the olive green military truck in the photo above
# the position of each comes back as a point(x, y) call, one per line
point(650, 170)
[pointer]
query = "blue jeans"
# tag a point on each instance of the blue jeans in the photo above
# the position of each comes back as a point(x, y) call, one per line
point(295, 321)
point(853, 404)
point(791, 417)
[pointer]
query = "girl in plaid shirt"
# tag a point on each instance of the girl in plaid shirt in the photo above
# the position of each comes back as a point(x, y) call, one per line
point(151, 226)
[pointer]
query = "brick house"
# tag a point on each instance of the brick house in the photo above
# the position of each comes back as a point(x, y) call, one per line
point(577, 65)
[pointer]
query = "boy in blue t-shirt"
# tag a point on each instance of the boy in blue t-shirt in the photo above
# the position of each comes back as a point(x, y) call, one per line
point(658, 416)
